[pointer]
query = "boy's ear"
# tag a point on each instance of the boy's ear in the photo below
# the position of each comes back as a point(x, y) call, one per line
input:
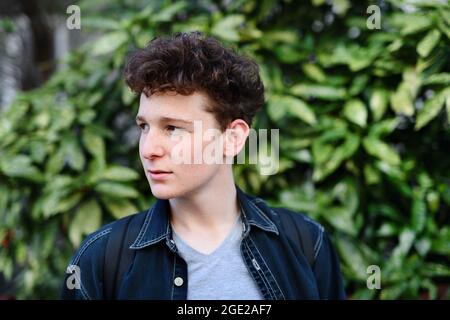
point(236, 134)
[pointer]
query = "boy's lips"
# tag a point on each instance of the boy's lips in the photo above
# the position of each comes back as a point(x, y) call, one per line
point(158, 174)
point(158, 171)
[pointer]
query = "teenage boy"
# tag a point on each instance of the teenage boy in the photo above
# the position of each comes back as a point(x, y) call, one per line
point(204, 238)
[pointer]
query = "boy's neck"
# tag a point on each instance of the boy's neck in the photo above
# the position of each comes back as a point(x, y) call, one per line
point(214, 207)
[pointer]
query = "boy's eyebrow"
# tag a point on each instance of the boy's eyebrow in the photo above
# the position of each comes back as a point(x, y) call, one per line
point(164, 119)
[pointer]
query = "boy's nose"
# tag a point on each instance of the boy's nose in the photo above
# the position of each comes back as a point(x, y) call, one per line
point(152, 146)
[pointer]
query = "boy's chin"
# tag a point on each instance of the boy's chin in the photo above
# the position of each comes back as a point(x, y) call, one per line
point(164, 192)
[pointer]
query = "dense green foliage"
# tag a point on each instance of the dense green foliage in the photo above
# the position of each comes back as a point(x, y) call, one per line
point(364, 135)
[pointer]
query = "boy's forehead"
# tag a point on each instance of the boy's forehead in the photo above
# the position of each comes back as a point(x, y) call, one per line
point(173, 105)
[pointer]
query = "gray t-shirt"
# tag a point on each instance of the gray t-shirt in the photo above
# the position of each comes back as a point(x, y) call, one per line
point(220, 275)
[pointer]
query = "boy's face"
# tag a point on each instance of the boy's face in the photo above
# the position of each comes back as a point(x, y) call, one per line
point(166, 122)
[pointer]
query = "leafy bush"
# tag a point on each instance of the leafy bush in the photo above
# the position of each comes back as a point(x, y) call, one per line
point(364, 135)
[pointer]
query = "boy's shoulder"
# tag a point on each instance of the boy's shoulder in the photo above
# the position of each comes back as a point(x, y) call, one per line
point(89, 261)
point(95, 242)
point(277, 214)
point(86, 266)
point(295, 224)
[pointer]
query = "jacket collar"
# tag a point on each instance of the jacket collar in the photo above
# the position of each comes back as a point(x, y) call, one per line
point(156, 226)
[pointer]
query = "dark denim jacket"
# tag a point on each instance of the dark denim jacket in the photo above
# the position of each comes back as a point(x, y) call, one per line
point(277, 265)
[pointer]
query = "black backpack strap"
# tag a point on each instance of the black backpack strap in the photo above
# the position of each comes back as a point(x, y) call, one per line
point(299, 232)
point(118, 255)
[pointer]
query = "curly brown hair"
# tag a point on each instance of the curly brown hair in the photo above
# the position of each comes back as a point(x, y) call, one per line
point(191, 62)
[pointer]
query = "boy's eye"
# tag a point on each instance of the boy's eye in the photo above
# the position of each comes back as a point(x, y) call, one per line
point(142, 126)
point(172, 128)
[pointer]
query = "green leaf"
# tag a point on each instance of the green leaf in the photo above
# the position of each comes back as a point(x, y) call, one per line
point(108, 43)
point(392, 171)
point(318, 91)
point(94, 172)
point(288, 53)
point(127, 95)
point(100, 23)
point(411, 81)
point(387, 229)
point(167, 13)
point(439, 78)
point(279, 106)
point(340, 7)
point(119, 208)
point(93, 143)
point(301, 156)
point(21, 253)
point(20, 166)
point(65, 115)
point(17, 111)
point(42, 119)
point(393, 292)
point(441, 245)
point(74, 154)
point(86, 116)
point(356, 112)
point(430, 109)
point(55, 162)
point(378, 103)
point(116, 189)
point(350, 146)
point(359, 83)
point(395, 45)
point(94, 99)
point(69, 202)
point(433, 200)
point(410, 22)
point(341, 219)
point(49, 203)
point(406, 240)
point(381, 150)
point(87, 219)
point(321, 151)
point(447, 107)
point(372, 176)
point(401, 102)
point(3, 200)
point(275, 109)
point(318, 2)
point(313, 72)
point(418, 211)
point(444, 27)
point(355, 56)
point(280, 35)
point(337, 156)
point(423, 246)
point(436, 270)
point(7, 25)
point(7, 267)
point(383, 128)
point(428, 43)
point(301, 110)
point(118, 173)
point(60, 182)
point(353, 258)
point(227, 28)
